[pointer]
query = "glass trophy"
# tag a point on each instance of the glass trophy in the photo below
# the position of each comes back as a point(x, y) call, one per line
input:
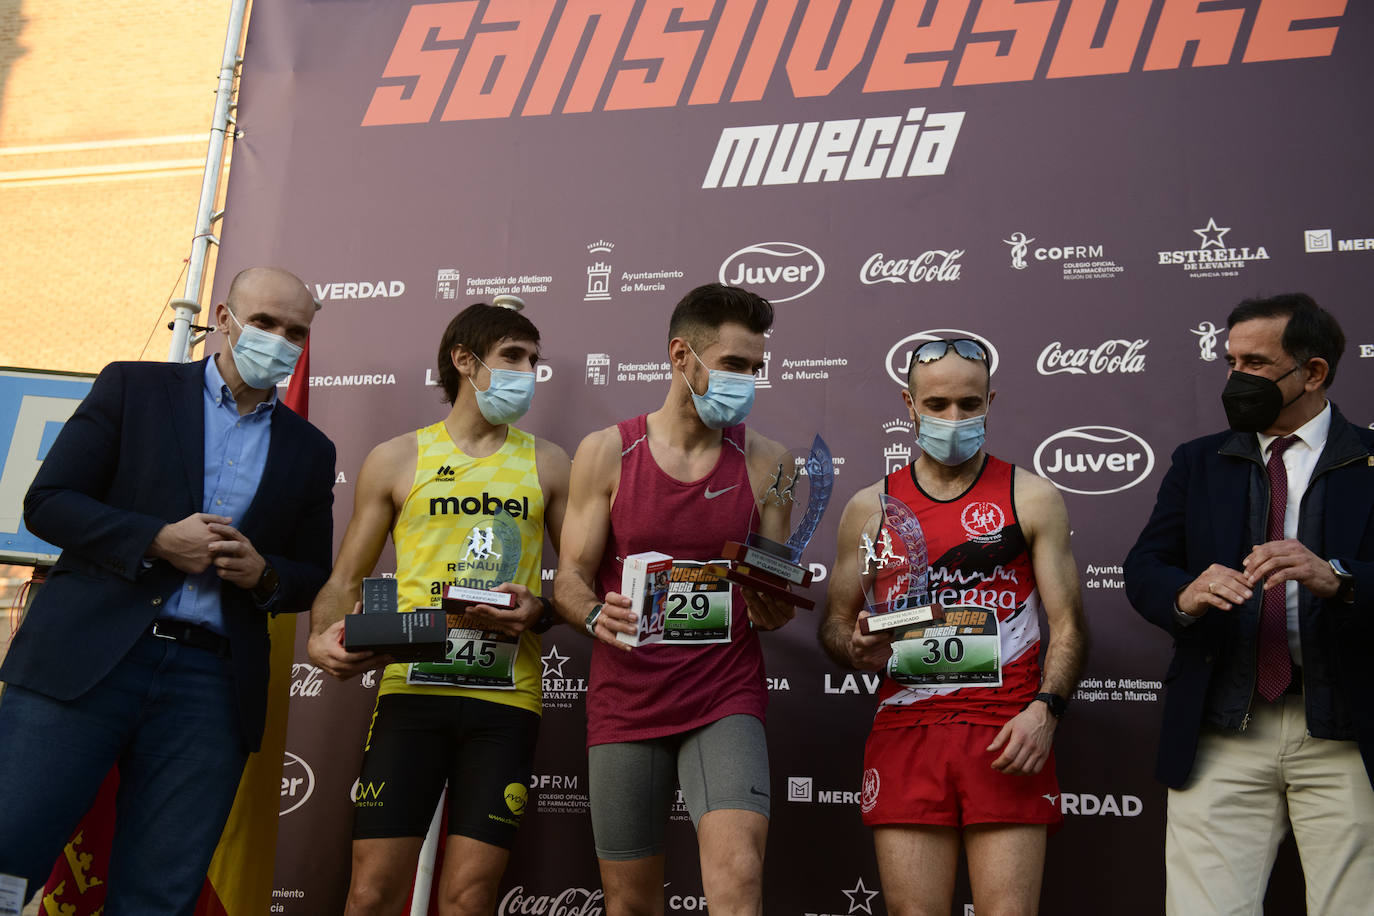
point(765, 565)
point(894, 570)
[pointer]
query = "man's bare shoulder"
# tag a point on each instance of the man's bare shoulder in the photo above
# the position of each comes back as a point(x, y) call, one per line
point(546, 450)
point(866, 500)
point(394, 457)
point(756, 444)
point(1037, 500)
point(599, 450)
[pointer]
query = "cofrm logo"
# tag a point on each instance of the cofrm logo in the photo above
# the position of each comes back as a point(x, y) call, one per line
point(297, 783)
point(1206, 340)
point(1094, 460)
point(899, 357)
point(1019, 244)
point(777, 271)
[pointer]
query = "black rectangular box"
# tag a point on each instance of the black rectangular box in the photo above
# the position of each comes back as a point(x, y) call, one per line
point(419, 636)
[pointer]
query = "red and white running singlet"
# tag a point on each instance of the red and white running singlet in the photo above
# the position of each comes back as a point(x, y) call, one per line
point(665, 688)
point(978, 556)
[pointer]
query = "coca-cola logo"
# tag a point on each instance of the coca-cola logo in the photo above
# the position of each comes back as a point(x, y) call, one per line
point(306, 680)
point(1118, 356)
point(574, 901)
point(934, 266)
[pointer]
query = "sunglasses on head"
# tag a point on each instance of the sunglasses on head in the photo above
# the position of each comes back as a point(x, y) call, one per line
point(936, 349)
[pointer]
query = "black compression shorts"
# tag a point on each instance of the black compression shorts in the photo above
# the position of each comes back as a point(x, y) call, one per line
point(484, 750)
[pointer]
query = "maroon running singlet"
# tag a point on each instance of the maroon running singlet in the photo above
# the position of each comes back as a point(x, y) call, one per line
point(675, 686)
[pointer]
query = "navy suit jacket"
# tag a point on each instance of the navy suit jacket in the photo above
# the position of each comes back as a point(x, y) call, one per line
point(130, 460)
point(1200, 518)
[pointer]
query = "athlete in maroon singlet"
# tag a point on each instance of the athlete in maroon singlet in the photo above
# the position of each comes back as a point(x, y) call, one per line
point(662, 689)
point(687, 710)
point(946, 765)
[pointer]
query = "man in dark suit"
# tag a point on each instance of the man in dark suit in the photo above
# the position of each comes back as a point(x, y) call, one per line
point(189, 504)
point(1259, 561)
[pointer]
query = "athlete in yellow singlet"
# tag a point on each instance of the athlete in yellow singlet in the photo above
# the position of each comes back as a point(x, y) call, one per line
point(467, 501)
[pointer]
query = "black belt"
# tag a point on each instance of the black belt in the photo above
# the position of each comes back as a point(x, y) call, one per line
point(189, 634)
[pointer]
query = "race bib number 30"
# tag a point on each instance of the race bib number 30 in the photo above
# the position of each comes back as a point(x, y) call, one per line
point(962, 650)
point(698, 606)
point(476, 658)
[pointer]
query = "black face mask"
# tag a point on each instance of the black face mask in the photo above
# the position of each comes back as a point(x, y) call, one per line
point(1253, 402)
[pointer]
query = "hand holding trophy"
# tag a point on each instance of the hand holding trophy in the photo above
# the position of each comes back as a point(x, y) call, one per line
point(933, 645)
point(770, 567)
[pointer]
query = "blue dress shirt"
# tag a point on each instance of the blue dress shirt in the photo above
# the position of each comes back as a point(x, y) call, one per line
point(235, 455)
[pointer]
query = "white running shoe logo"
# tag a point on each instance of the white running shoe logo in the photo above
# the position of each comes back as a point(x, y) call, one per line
point(712, 494)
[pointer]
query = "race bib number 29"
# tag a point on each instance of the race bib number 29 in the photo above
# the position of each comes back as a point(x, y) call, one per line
point(698, 610)
point(962, 650)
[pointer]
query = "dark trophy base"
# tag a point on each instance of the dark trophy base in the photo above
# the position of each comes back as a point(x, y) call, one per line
point(420, 636)
point(881, 620)
point(765, 572)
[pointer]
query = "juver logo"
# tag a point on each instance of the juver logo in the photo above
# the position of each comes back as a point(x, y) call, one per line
point(297, 783)
point(899, 357)
point(778, 271)
point(1094, 460)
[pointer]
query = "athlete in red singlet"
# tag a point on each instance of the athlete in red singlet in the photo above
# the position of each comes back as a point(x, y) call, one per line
point(970, 763)
point(687, 710)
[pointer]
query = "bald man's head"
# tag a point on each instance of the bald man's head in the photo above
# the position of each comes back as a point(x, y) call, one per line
point(271, 299)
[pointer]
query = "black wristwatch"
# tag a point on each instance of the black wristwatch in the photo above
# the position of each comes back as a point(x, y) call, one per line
point(267, 585)
point(1057, 704)
point(591, 619)
point(1346, 592)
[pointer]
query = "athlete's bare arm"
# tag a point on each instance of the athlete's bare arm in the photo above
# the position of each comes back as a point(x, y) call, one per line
point(762, 457)
point(552, 464)
point(1025, 740)
point(587, 523)
point(839, 630)
point(382, 486)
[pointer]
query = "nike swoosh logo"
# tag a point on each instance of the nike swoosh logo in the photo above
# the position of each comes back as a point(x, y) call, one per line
point(713, 494)
point(751, 788)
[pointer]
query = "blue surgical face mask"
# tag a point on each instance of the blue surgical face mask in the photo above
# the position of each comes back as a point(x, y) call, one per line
point(507, 397)
point(263, 359)
point(728, 396)
point(951, 442)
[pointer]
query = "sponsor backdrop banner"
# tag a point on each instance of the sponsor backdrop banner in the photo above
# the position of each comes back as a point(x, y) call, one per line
point(1087, 186)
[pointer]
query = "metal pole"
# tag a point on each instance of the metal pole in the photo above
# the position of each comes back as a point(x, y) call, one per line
point(187, 307)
